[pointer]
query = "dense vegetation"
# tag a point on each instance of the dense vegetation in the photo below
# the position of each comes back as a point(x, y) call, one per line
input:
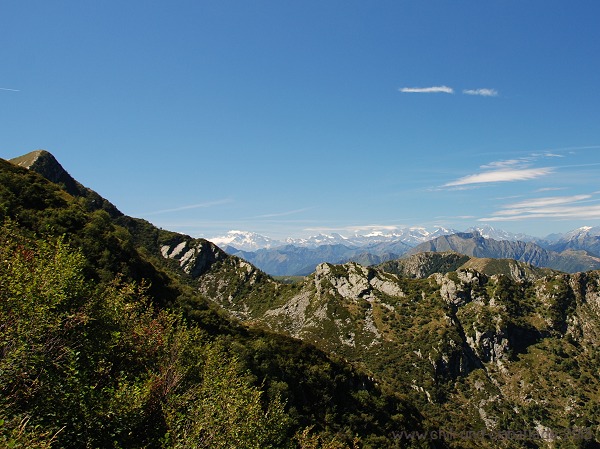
point(90, 366)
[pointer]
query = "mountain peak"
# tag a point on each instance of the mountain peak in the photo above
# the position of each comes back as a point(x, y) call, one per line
point(29, 159)
point(44, 163)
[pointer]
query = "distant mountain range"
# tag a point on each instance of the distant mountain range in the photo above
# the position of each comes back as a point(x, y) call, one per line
point(577, 250)
point(251, 241)
point(474, 244)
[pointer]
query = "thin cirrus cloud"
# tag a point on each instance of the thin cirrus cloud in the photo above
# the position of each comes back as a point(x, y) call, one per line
point(483, 92)
point(284, 214)
point(192, 206)
point(556, 207)
point(355, 229)
point(502, 175)
point(532, 204)
point(427, 90)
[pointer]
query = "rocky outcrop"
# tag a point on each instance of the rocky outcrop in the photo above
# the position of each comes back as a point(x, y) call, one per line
point(353, 281)
point(195, 257)
point(489, 346)
point(460, 287)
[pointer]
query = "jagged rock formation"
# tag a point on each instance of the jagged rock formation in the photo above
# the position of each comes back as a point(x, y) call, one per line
point(195, 256)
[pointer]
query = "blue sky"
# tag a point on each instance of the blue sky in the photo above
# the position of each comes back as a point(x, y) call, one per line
point(293, 118)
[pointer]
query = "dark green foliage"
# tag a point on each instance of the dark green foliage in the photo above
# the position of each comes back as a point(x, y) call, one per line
point(325, 393)
point(99, 367)
point(424, 264)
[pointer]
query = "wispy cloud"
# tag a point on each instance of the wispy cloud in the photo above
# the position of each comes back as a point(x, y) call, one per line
point(481, 92)
point(284, 214)
point(556, 207)
point(547, 154)
point(355, 229)
point(506, 163)
point(508, 170)
point(10, 90)
point(191, 206)
point(549, 189)
point(485, 92)
point(534, 203)
point(501, 176)
point(427, 90)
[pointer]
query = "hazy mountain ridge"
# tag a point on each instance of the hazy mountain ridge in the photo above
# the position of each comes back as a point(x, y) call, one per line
point(410, 236)
point(251, 241)
point(582, 239)
point(423, 265)
point(474, 244)
point(565, 254)
point(291, 260)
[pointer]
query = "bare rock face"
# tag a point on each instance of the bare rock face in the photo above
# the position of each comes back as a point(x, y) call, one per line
point(194, 256)
point(460, 287)
point(490, 346)
point(353, 281)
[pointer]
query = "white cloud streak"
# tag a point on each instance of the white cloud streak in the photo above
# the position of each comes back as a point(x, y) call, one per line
point(502, 175)
point(427, 90)
point(548, 201)
point(284, 214)
point(556, 207)
point(508, 170)
point(355, 229)
point(481, 92)
point(505, 164)
point(10, 90)
point(191, 206)
point(549, 189)
point(484, 92)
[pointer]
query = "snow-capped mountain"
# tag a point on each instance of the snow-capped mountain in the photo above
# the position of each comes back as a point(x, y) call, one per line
point(246, 241)
point(583, 232)
point(301, 255)
point(319, 240)
point(251, 241)
point(490, 232)
point(586, 238)
point(412, 236)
